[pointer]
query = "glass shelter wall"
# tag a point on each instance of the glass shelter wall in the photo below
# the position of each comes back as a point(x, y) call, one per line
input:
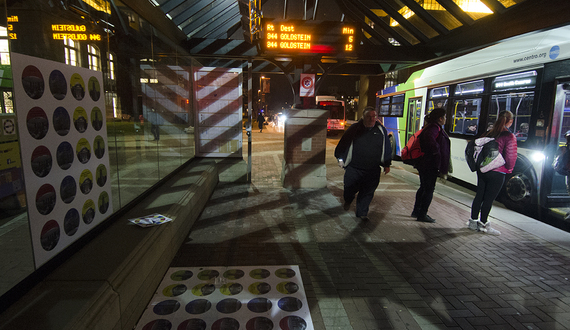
point(147, 92)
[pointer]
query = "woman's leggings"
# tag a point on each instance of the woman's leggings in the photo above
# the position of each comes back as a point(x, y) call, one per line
point(488, 188)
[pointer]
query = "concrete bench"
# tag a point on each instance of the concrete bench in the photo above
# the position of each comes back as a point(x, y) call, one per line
point(108, 283)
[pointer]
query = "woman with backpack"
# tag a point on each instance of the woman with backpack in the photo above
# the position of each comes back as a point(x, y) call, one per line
point(489, 184)
point(435, 145)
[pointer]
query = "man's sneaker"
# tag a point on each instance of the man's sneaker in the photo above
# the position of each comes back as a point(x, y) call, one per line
point(414, 214)
point(486, 228)
point(364, 218)
point(472, 224)
point(346, 206)
point(426, 218)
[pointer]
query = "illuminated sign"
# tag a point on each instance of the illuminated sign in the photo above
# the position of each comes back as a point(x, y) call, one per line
point(73, 32)
point(10, 27)
point(308, 37)
point(99, 5)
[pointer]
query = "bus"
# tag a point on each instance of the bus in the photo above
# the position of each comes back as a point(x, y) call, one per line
point(528, 75)
point(337, 112)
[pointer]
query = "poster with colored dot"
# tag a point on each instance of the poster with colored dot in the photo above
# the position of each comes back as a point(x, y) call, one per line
point(65, 157)
point(229, 298)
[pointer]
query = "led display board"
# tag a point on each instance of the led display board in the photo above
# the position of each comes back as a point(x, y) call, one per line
point(308, 37)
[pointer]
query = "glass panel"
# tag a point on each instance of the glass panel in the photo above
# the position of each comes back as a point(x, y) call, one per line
point(384, 107)
point(465, 117)
point(520, 104)
point(474, 8)
point(439, 92)
point(440, 13)
point(508, 3)
point(137, 160)
point(470, 88)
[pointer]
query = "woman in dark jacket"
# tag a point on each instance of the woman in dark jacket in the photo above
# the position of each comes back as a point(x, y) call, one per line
point(435, 145)
point(489, 184)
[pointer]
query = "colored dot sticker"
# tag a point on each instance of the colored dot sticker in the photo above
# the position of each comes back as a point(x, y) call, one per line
point(33, 82)
point(64, 155)
point(50, 235)
point(99, 146)
point(71, 222)
point(234, 274)
point(203, 289)
point(230, 289)
point(94, 88)
point(77, 86)
point(68, 189)
point(259, 273)
point(287, 287)
point(103, 202)
point(208, 274)
point(259, 305)
point(259, 323)
point(198, 306)
point(292, 323)
point(259, 288)
point(181, 275)
point(37, 123)
point(61, 121)
point(192, 324)
point(290, 304)
point(80, 119)
point(166, 307)
point(45, 199)
point(174, 290)
point(83, 151)
point(285, 273)
point(96, 118)
point(41, 161)
point(160, 324)
point(88, 212)
point(226, 323)
point(86, 182)
point(57, 85)
point(228, 306)
point(101, 175)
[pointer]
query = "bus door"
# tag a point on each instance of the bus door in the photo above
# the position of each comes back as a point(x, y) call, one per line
point(414, 115)
point(558, 196)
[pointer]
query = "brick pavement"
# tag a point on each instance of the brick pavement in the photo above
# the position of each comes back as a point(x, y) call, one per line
point(391, 272)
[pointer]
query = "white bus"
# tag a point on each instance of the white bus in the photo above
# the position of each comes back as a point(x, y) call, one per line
point(528, 75)
point(337, 112)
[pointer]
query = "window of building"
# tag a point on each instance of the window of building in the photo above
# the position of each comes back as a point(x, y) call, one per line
point(111, 66)
point(94, 57)
point(71, 49)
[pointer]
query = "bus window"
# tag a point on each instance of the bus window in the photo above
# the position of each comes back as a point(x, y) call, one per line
point(392, 106)
point(520, 104)
point(437, 98)
point(465, 116)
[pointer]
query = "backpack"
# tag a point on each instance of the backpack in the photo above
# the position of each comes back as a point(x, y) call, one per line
point(483, 154)
point(412, 152)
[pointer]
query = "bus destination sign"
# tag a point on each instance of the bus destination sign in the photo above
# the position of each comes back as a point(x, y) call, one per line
point(308, 37)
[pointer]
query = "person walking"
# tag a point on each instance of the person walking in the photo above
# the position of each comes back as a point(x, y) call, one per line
point(435, 145)
point(489, 184)
point(361, 151)
point(260, 121)
point(155, 119)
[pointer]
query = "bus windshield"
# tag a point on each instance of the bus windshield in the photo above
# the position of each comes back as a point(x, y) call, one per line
point(336, 108)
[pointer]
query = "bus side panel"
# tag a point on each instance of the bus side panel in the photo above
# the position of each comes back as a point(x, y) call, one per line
point(460, 169)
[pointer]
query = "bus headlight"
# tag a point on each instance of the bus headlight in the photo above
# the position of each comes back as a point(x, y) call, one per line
point(537, 156)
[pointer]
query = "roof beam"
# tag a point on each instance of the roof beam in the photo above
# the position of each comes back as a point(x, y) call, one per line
point(401, 20)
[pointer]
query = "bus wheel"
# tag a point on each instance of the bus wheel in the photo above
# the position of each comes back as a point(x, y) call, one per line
point(518, 190)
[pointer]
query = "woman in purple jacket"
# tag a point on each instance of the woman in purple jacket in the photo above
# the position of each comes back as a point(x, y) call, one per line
point(435, 161)
point(489, 184)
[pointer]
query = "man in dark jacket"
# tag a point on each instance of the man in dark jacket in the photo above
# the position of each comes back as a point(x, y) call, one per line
point(363, 148)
